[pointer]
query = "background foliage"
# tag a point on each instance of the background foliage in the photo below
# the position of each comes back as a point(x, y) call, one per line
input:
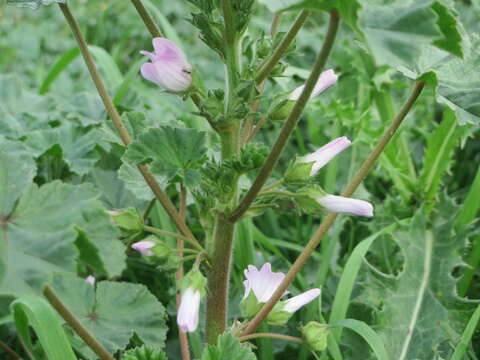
point(61, 167)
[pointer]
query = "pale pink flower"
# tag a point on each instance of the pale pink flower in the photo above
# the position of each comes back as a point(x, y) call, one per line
point(326, 153)
point(340, 204)
point(90, 279)
point(187, 316)
point(296, 302)
point(326, 79)
point(143, 247)
point(169, 67)
point(263, 283)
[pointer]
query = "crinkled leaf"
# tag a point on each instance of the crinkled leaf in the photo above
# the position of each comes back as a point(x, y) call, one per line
point(228, 347)
point(420, 309)
point(457, 80)
point(397, 31)
point(169, 150)
point(135, 183)
point(115, 311)
point(135, 123)
point(347, 8)
point(77, 144)
point(144, 353)
point(41, 231)
point(449, 26)
point(34, 4)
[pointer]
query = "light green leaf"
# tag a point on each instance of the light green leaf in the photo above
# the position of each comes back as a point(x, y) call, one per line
point(34, 4)
point(439, 153)
point(462, 346)
point(135, 183)
point(457, 80)
point(228, 347)
point(115, 311)
point(35, 312)
point(397, 31)
point(420, 309)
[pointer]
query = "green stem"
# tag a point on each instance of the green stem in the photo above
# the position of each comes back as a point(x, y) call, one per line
point(269, 187)
point(76, 325)
point(147, 19)
point(269, 63)
point(272, 336)
point(291, 122)
point(117, 121)
point(328, 221)
point(158, 231)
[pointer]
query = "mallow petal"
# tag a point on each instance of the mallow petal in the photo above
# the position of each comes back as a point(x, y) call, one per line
point(143, 247)
point(263, 283)
point(326, 153)
point(90, 279)
point(339, 204)
point(187, 316)
point(296, 302)
point(169, 67)
point(326, 79)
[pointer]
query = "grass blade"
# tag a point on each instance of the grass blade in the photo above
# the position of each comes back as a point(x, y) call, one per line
point(35, 312)
point(461, 347)
point(57, 69)
point(370, 336)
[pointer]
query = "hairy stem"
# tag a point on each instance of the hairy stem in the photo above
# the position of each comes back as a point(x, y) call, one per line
point(269, 63)
point(328, 221)
point(147, 18)
point(117, 121)
point(275, 23)
point(271, 335)
point(218, 275)
point(291, 122)
point(71, 320)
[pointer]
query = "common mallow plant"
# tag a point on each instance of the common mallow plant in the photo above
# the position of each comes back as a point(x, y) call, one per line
point(209, 181)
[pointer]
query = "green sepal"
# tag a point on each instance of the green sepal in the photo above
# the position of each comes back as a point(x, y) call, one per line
point(281, 110)
point(128, 219)
point(194, 279)
point(306, 199)
point(299, 171)
point(250, 306)
point(315, 335)
point(278, 316)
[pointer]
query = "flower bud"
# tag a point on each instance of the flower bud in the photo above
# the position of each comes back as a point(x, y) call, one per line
point(340, 204)
point(326, 79)
point(316, 335)
point(281, 110)
point(194, 287)
point(143, 247)
point(90, 279)
point(169, 67)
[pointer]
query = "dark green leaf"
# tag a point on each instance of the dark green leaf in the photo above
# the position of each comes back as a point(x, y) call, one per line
point(144, 353)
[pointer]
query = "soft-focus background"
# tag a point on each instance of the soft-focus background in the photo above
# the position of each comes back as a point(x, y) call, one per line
point(43, 78)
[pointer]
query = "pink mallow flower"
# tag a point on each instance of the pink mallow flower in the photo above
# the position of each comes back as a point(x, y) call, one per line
point(326, 153)
point(264, 282)
point(187, 316)
point(326, 79)
point(90, 279)
point(169, 67)
point(143, 247)
point(340, 204)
